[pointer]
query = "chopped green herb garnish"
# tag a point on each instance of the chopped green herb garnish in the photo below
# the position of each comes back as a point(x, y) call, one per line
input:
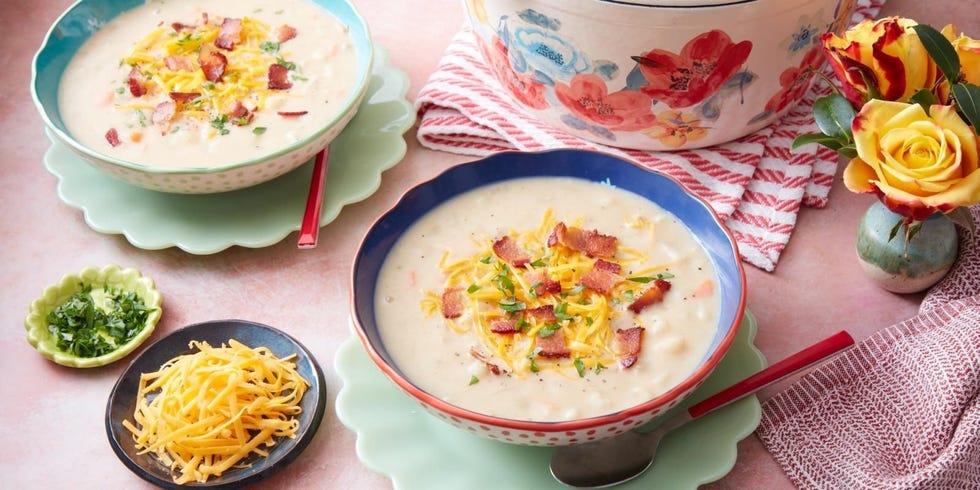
point(646, 279)
point(599, 367)
point(208, 85)
point(511, 305)
point(576, 290)
point(472, 289)
point(270, 47)
point(474, 380)
point(580, 367)
point(120, 90)
point(548, 330)
point(534, 364)
point(539, 263)
point(220, 123)
point(561, 312)
point(141, 118)
point(628, 295)
point(288, 64)
point(258, 130)
point(486, 259)
point(83, 329)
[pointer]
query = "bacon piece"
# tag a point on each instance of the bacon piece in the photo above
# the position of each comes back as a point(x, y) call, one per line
point(508, 250)
point(183, 97)
point(503, 326)
point(553, 346)
point(277, 77)
point(178, 63)
point(591, 243)
point(163, 113)
point(180, 26)
point(542, 284)
point(136, 80)
point(608, 266)
point(112, 136)
point(654, 294)
point(452, 302)
point(292, 113)
point(493, 368)
point(600, 280)
point(212, 62)
point(230, 33)
point(545, 313)
point(627, 344)
point(204, 18)
point(285, 33)
point(240, 115)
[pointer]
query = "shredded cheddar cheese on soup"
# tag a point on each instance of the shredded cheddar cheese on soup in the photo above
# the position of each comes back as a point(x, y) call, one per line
point(495, 290)
point(204, 413)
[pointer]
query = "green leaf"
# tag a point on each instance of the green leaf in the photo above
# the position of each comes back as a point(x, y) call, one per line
point(818, 138)
point(580, 367)
point(968, 102)
point(848, 151)
point(961, 216)
point(834, 114)
point(940, 50)
point(924, 98)
point(474, 380)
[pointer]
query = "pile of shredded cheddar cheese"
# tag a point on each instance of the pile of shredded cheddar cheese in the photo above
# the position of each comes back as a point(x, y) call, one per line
point(203, 413)
point(584, 315)
point(244, 80)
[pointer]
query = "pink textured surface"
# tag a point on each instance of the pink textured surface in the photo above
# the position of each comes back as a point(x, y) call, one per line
point(900, 410)
point(53, 415)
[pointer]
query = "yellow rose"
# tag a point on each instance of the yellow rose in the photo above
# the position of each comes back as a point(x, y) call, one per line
point(917, 163)
point(886, 53)
point(968, 51)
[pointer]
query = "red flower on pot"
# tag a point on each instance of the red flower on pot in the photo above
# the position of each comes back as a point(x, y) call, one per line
point(587, 97)
point(795, 81)
point(524, 88)
point(701, 68)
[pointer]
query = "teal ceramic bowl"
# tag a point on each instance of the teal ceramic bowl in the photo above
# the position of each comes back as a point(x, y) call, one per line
point(85, 17)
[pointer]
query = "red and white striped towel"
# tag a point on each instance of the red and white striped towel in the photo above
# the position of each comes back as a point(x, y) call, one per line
point(756, 184)
point(899, 411)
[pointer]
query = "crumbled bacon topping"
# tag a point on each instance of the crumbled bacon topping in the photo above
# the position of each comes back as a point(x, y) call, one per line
point(493, 368)
point(277, 77)
point(600, 280)
point(545, 313)
point(452, 302)
point(212, 62)
point(184, 97)
point(553, 346)
point(605, 265)
point(285, 33)
point(654, 294)
point(175, 62)
point(542, 284)
point(511, 252)
point(180, 26)
point(240, 115)
point(112, 136)
point(627, 344)
point(503, 326)
point(589, 242)
point(136, 82)
point(230, 33)
point(163, 113)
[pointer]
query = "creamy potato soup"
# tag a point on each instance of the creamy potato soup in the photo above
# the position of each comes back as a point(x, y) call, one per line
point(184, 83)
point(547, 299)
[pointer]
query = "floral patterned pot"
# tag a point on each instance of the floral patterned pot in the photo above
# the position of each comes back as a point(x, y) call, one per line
point(655, 78)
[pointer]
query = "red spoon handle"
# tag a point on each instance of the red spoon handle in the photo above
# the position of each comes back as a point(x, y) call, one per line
point(802, 359)
point(311, 216)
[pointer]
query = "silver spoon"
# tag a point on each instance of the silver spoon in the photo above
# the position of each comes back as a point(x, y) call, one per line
point(620, 458)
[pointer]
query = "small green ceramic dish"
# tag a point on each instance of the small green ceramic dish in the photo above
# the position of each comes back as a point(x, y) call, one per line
point(111, 276)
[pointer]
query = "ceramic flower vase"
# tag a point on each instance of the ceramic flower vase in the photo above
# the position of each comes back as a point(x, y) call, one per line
point(900, 267)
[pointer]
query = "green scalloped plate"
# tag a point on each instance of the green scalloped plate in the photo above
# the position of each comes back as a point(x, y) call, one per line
point(258, 216)
point(397, 438)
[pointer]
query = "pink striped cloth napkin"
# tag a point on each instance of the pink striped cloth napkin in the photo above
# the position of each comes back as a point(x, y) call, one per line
point(755, 184)
point(901, 410)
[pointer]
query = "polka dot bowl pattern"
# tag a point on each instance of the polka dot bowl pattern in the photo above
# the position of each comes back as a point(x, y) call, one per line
point(82, 19)
point(693, 212)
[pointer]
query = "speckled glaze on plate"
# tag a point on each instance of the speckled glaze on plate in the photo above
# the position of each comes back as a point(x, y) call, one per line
point(397, 438)
point(122, 400)
point(258, 216)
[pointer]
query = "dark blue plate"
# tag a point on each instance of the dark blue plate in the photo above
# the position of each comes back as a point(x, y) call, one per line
point(122, 400)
